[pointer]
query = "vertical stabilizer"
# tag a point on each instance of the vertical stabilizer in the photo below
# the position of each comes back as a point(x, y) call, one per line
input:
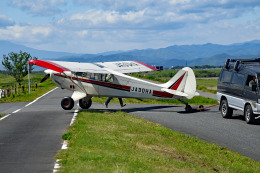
point(184, 81)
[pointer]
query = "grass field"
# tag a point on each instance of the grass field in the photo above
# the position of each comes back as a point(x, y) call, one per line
point(207, 85)
point(2, 115)
point(119, 142)
point(23, 96)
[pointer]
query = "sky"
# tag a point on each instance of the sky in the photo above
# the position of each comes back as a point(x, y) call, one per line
point(96, 26)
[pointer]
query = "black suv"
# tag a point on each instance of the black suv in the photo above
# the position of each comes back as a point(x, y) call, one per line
point(238, 88)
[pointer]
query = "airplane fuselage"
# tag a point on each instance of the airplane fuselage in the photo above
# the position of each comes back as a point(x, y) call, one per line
point(119, 85)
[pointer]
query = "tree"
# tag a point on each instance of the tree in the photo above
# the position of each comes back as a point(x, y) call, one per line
point(16, 64)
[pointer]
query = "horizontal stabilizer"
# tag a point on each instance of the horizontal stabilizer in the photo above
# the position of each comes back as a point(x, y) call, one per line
point(175, 92)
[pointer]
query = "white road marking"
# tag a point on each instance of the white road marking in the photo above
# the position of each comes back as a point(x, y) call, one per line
point(5, 117)
point(56, 166)
point(27, 104)
point(65, 143)
point(16, 111)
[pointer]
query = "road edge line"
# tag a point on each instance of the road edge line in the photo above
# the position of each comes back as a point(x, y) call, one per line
point(65, 142)
point(27, 104)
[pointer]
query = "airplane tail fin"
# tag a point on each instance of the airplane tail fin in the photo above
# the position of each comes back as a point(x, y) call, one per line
point(183, 83)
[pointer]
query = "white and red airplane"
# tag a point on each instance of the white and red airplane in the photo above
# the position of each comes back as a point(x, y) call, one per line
point(107, 79)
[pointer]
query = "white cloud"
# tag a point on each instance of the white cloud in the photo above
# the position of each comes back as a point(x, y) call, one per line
point(6, 21)
point(123, 25)
point(103, 19)
point(39, 7)
point(26, 34)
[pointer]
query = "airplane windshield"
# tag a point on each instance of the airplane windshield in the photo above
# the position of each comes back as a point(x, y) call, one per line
point(96, 76)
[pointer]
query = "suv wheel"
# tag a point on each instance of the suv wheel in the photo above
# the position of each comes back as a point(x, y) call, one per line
point(226, 111)
point(249, 116)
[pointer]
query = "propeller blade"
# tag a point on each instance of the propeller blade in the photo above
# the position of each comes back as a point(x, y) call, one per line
point(45, 77)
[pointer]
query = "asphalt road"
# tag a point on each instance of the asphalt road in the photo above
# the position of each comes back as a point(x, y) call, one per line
point(30, 138)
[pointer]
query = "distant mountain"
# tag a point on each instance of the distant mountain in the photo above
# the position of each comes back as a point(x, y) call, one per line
point(205, 54)
point(7, 47)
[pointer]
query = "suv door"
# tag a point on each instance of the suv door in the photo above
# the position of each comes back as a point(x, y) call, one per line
point(237, 83)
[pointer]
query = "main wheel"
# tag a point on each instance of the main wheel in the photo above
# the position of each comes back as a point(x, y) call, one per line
point(84, 104)
point(226, 111)
point(249, 115)
point(67, 103)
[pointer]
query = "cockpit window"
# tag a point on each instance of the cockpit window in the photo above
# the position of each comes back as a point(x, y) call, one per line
point(109, 78)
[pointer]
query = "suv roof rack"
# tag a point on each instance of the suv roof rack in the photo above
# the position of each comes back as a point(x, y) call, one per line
point(245, 60)
point(240, 61)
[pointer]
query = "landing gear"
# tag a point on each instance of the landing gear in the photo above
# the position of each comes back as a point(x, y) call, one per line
point(67, 103)
point(188, 108)
point(85, 103)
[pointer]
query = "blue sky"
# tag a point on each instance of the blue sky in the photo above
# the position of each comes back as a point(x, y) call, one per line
point(95, 26)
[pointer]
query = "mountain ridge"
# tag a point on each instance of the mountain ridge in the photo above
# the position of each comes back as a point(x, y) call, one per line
point(203, 54)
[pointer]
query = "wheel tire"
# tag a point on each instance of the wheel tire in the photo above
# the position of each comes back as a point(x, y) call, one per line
point(249, 115)
point(67, 103)
point(201, 106)
point(226, 111)
point(188, 108)
point(85, 104)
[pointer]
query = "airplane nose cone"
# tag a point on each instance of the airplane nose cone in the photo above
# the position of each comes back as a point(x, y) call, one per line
point(32, 62)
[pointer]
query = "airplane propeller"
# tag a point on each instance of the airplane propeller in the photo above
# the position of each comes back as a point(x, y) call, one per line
point(45, 77)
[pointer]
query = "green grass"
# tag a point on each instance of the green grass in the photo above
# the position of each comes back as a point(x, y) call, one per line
point(23, 96)
point(119, 142)
point(2, 115)
point(207, 85)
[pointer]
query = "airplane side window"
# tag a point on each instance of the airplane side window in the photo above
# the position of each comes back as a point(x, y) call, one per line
point(109, 78)
point(88, 75)
point(79, 73)
point(96, 76)
point(92, 76)
point(101, 77)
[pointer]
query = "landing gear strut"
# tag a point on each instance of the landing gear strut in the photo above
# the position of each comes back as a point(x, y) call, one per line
point(188, 108)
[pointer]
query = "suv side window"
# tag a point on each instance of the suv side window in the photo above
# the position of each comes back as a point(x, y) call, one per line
point(238, 79)
point(250, 79)
point(226, 76)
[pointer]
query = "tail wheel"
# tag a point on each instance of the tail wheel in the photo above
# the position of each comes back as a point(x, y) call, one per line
point(226, 111)
point(67, 103)
point(84, 103)
point(249, 116)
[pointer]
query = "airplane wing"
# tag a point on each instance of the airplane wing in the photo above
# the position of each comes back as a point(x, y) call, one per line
point(119, 66)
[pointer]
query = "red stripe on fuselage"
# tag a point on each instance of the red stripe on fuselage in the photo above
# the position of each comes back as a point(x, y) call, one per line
point(162, 94)
point(120, 87)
